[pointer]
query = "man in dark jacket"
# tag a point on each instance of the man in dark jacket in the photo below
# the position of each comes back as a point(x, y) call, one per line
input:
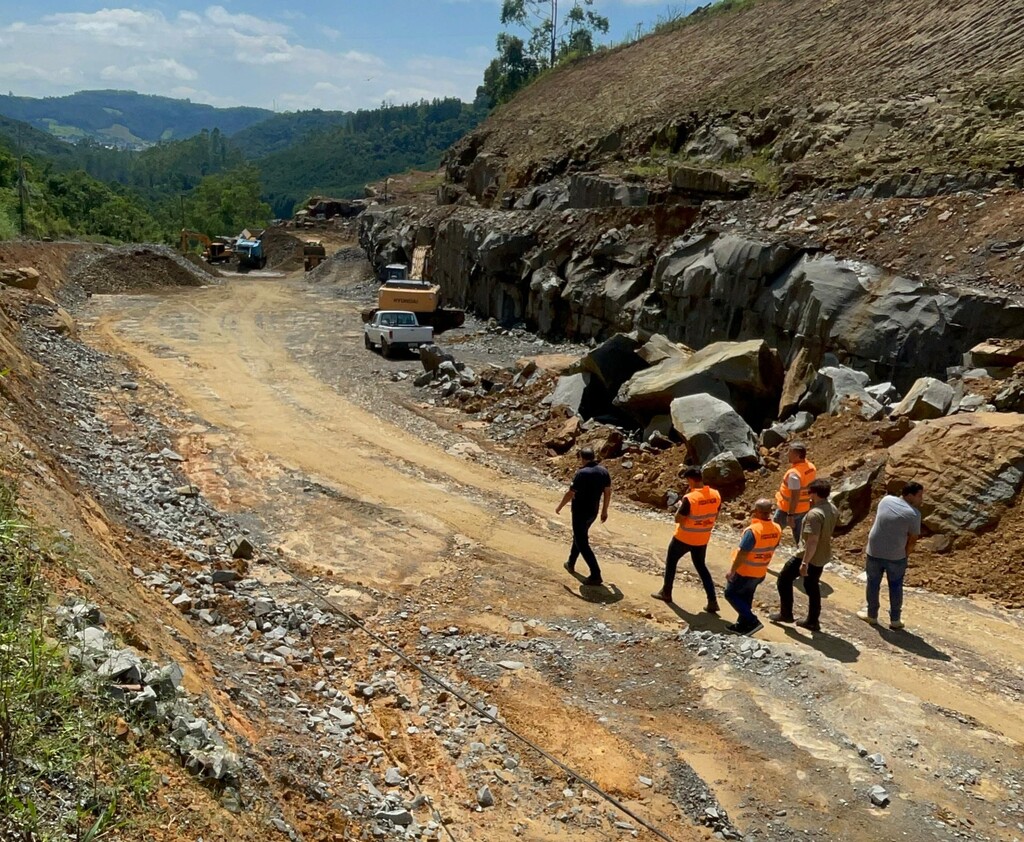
point(589, 492)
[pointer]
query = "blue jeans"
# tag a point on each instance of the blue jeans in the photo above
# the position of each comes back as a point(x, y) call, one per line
point(894, 571)
point(739, 593)
point(781, 517)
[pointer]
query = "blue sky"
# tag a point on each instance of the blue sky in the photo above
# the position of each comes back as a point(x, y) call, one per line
point(344, 54)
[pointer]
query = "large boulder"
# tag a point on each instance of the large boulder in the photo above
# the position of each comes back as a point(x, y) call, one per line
point(834, 386)
point(997, 354)
point(24, 277)
point(659, 348)
point(927, 398)
point(747, 374)
point(614, 361)
point(581, 393)
point(972, 467)
point(710, 426)
point(852, 497)
point(724, 472)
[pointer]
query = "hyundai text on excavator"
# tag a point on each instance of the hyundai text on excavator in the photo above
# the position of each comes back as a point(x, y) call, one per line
point(405, 289)
point(214, 251)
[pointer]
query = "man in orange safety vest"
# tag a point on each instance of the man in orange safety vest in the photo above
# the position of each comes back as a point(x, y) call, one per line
point(793, 500)
point(695, 519)
point(750, 565)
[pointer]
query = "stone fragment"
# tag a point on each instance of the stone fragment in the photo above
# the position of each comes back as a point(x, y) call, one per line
point(724, 472)
point(928, 398)
point(484, 796)
point(710, 426)
point(879, 797)
point(241, 547)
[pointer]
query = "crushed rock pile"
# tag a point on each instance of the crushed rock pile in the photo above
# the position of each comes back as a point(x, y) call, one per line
point(283, 250)
point(327, 271)
point(138, 267)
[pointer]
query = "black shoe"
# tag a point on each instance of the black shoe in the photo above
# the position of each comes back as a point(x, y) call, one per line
point(754, 629)
point(734, 628)
point(711, 608)
point(807, 624)
point(662, 596)
point(570, 566)
point(592, 582)
point(779, 617)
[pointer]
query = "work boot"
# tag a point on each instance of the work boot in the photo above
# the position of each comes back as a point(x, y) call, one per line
point(570, 566)
point(895, 625)
point(779, 617)
point(711, 608)
point(867, 618)
point(810, 626)
point(664, 597)
point(593, 581)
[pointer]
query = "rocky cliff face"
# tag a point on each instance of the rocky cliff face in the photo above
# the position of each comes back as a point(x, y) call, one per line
point(590, 273)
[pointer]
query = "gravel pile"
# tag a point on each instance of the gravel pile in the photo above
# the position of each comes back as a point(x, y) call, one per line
point(138, 267)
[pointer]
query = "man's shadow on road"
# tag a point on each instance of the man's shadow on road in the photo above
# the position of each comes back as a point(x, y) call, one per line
point(912, 643)
point(704, 621)
point(603, 594)
point(828, 644)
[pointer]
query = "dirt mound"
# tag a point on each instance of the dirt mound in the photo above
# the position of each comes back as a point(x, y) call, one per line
point(138, 268)
point(330, 270)
point(283, 250)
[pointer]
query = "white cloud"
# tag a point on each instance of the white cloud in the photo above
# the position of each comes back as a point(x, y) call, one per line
point(222, 58)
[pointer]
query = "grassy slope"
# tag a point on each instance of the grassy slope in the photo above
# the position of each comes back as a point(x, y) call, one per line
point(767, 53)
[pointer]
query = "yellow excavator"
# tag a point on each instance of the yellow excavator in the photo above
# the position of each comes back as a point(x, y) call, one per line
point(407, 289)
point(214, 251)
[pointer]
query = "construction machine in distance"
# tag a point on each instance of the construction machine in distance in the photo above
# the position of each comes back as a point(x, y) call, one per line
point(406, 289)
point(216, 250)
point(313, 254)
point(249, 251)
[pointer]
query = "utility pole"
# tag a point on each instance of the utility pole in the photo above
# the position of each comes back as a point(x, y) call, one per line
point(554, 29)
point(21, 182)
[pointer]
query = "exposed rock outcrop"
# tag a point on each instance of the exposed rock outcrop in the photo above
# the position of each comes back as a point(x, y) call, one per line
point(971, 466)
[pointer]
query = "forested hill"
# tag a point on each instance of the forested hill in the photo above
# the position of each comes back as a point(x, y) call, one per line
point(213, 182)
point(367, 146)
point(126, 117)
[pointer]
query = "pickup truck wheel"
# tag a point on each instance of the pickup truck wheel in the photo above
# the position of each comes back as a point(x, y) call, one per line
point(367, 343)
point(385, 348)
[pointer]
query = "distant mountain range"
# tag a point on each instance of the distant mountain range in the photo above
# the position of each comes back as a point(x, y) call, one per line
point(125, 118)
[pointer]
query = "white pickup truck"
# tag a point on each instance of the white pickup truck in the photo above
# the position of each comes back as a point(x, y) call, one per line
point(392, 330)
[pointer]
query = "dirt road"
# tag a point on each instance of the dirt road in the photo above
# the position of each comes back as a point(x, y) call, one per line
point(295, 425)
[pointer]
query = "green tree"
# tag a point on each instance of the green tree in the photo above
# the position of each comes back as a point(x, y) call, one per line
point(551, 38)
point(511, 71)
point(225, 203)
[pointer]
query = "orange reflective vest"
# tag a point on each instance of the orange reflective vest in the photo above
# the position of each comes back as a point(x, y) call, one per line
point(695, 528)
point(755, 562)
point(807, 473)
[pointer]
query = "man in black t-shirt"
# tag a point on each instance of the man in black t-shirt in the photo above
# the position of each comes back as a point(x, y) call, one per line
point(590, 491)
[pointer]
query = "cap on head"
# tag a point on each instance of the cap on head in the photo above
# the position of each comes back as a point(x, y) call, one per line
point(693, 473)
point(587, 453)
point(763, 507)
point(799, 449)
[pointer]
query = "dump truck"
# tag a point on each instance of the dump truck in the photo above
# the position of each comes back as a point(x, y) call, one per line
point(215, 250)
point(313, 254)
point(403, 288)
point(249, 251)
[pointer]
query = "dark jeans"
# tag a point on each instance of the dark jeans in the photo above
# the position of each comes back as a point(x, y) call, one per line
point(894, 571)
point(812, 584)
point(698, 555)
point(781, 518)
point(739, 593)
point(581, 523)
